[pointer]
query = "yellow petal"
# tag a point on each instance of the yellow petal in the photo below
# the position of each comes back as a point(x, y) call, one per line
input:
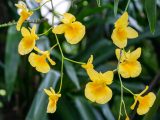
point(107, 77)
point(39, 62)
point(26, 45)
point(127, 118)
point(51, 61)
point(60, 29)
point(98, 93)
point(89, 64)
point(120, 40)
point(52, 106)
point(75, 32)
point(25, 32)
point(122, 21)
point(48, 92)
point(123, 55)
point(151, 97)
point(68, 18)
point(130, 69)
point(23, 16)
point(93, 75)
point(145, 103)
point(131, 33)
point(142, 111)
point(135, 54)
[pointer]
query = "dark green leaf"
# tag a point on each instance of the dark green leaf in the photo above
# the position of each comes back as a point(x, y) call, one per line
point(115, 6)
point(72, 73)
point(107, 112)
point(39, 105)
point(11, 59)
point(151, 10)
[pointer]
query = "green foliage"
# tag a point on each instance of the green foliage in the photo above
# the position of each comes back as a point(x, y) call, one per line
point(12, 59)
point(25, 86)
point(151, 10)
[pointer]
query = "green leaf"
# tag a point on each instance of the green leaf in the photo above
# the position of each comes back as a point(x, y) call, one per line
point(115, 6)
point(86, 110)
point(12, 59)
point(153, 109)
point(151, 10)
point(39, 104)
point(72, 73)
point(107, 112)
point(69, 69)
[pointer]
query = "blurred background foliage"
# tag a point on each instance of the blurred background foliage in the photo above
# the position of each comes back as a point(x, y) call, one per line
point(21, 87)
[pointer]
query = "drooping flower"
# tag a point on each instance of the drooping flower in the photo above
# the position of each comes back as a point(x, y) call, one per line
point(24, 14)
point(122, 32)
point(97, 90)
point(27, 43)
point(40, 61)
point(73, 30)
point(129, 65)
point(145, 102)
point(53, 99)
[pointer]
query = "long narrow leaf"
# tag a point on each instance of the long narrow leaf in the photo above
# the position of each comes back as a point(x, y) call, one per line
point(150, 6)
point(11, 59)
point(39, 105)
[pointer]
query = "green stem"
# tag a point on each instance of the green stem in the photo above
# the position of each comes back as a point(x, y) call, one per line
point(62, 63)
point(39, 6)
point(120, 109)
point(127, 5)
point(128, 90)
point(53, 47)
point(45, 32)
point(73, 61)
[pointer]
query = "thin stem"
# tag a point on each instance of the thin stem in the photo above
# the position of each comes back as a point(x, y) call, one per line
point(45, 32)
point(59, 45)
point(39, 6)
point(120, 109)
point(62, 64)
point(53, 47)
point(125, 108)
point(73, 61)
point(128, 90)
point(53, 12)
point(127, 5)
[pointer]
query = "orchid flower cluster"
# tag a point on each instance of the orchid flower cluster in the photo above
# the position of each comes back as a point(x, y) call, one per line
point(97, 90)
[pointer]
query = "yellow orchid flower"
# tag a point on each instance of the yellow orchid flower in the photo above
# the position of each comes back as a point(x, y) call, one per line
point(73, 30)
point(122, 32)
point(145, 102)
point(97, 91)
point(129, 65)
point(24, 14)
point(40, 61)
point(27, 43)
point(53, 99)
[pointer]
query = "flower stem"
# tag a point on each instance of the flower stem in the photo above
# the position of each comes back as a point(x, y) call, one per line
point(127, 5)
point(45, 32)
point(73, 61)
point(39, 6)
